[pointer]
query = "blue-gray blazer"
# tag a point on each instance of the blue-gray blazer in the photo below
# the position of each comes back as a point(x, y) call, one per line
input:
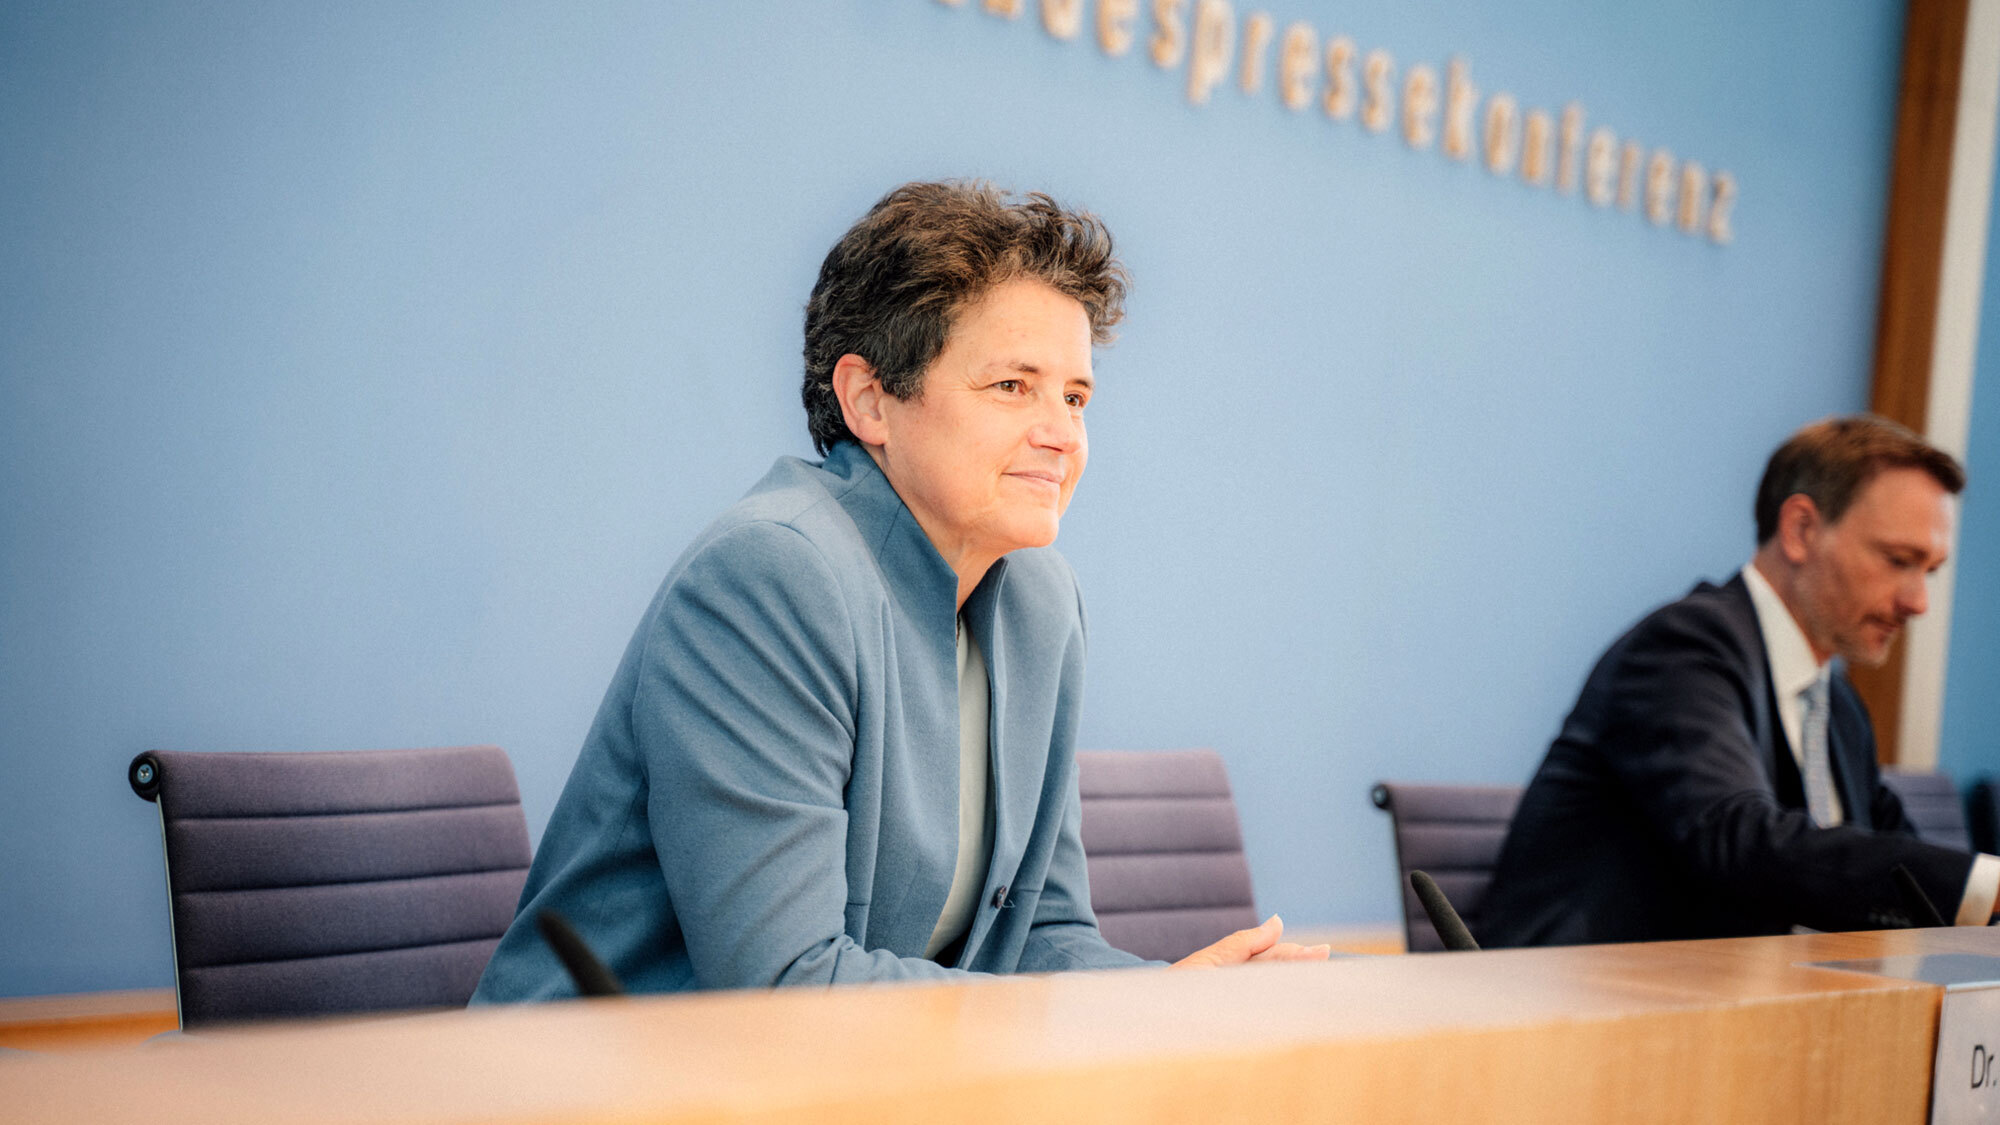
point(769, 793)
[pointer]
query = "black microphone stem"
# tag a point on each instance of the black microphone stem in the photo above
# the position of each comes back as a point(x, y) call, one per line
point(1449, 926)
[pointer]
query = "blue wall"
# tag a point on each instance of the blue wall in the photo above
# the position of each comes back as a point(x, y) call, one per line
point(363, 368)
point(1969, 744)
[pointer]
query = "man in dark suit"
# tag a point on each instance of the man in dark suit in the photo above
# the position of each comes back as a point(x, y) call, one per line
point(1717, 777)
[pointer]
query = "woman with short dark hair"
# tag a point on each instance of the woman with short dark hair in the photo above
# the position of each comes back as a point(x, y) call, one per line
point(841, 745)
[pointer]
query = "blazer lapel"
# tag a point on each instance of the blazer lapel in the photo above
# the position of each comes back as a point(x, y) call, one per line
point(1846, 751)
point(917, 843)
point(1779, 765)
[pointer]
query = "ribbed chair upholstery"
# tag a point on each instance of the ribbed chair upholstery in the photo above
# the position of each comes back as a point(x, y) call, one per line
point(1932, 803)
point(1453, 832)
point(345, 881)
point(1164, 850)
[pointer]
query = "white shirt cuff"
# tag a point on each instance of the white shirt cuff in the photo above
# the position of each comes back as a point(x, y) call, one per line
point(1981, 888)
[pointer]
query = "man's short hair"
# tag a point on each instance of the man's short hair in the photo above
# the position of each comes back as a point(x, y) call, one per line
point(1831, 460)
point(893, 286)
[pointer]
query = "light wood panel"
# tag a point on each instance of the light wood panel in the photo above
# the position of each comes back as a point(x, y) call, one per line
point(1683, 1032)
point(1371, 941)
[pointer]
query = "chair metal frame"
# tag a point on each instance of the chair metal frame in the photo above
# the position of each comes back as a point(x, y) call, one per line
point(1470, 825)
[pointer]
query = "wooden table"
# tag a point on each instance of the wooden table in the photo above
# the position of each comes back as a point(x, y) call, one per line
point(1682, 1031)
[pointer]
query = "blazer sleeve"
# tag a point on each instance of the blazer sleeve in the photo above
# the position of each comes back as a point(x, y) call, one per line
point(1888, 813)
point(1064, 934)
point(1678, 735)
point(744, 713)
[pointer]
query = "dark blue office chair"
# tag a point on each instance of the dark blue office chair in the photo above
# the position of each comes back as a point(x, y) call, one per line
point(1932, 803)
point(1982, 815)
point(320, 883)
point(1452, 832)
point(1164, 850)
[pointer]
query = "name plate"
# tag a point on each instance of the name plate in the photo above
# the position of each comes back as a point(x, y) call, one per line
point(1965, 1082)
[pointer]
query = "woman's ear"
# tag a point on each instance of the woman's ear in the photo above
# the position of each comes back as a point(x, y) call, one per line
point(860, 394)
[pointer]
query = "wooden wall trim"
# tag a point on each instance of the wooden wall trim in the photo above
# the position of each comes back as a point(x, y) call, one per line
point(1912, 261)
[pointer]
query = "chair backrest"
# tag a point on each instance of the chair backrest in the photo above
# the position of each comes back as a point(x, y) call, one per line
point(342, 881)
point(1452, 832)
point(1165, 852)
point(1982, 815)
point(1932, 803)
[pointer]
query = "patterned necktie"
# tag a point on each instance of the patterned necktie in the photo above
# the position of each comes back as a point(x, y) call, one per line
point(1821, 801)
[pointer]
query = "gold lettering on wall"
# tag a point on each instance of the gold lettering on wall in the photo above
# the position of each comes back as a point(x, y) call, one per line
point(1600, 177)
point(1535, 148)
point(1694, 197)
point(1256, 37)
point(1550, 151)
point(1378, 77)
point(1062, 18)
point(1214, 40)
point(1420, 106)
point(1169, 44)
point(1659, 187)
point(1628, 175)
point(1295, 68)
point(1114, 25)
point(1720, 204)
point(1569, 137)
point(1503, 134)
point(1460, 98)
point(1340, 95)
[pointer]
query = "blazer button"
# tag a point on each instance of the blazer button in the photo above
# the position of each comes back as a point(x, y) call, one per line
point(999, 896)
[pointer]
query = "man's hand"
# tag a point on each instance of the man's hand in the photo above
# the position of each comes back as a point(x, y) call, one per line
point(1260, 944)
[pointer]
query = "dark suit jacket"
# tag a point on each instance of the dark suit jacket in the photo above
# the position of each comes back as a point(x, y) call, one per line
point(1670, 805)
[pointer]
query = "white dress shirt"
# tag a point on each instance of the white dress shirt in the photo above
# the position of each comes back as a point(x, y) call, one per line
point(1794, 672)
